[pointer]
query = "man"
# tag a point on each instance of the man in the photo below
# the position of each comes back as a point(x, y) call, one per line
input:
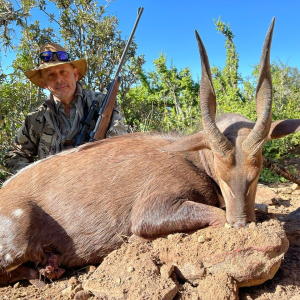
point(53, 126)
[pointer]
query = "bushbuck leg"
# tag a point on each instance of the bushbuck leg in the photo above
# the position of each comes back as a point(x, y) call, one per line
point(160, 217)
point(20, 273)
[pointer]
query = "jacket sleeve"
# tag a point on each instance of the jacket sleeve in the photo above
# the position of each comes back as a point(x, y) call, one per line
point(117, 125)
point(24, 148)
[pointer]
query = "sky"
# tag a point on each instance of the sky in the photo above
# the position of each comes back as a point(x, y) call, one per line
point(168, 27)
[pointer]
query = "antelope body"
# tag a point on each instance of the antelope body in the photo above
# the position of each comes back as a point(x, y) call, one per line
point(73, 209)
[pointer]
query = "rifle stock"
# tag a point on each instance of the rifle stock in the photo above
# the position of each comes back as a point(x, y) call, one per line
point(107, 111)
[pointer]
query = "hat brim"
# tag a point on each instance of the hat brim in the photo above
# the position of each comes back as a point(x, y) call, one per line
point(35, 74)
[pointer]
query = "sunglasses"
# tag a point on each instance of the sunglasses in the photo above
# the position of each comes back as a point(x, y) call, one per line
point(48, 55)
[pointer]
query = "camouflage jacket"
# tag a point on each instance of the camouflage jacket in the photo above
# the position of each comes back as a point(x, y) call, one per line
point(44, 131)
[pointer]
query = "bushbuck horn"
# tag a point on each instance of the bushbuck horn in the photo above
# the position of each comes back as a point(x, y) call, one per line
point(218, 142)
point(264, 95)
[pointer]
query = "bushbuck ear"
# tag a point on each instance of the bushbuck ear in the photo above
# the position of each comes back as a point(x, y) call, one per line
point(192, 142)
point(281, 128)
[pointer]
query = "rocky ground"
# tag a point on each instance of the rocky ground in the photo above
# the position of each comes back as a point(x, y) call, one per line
point(212, 263)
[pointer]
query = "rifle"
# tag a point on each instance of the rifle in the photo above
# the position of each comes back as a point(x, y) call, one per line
point(107, 107)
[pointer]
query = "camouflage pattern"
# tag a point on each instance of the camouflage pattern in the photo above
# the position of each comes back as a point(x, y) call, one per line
point(45, 132)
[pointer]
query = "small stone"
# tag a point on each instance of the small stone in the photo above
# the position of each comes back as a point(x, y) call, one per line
point(67, 291)
point(166, 271)
point(296, 192)
point(82, 295)
point(201, 239)
point(262, 207)
point(130, 269)
point(90, 269)
point(252, 225)
point(279, 290)
point(63, 284)
point(287, 190)
point(72, 281)
point(227, 225)
point(17, 285)
point(101, 276)
point(78, 288)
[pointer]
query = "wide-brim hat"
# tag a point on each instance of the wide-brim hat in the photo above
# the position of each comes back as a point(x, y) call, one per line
point(34, 75)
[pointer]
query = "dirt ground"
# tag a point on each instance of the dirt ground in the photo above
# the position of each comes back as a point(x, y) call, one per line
point(282, 204)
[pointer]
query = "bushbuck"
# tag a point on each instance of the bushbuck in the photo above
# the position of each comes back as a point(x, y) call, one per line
point(74, 208)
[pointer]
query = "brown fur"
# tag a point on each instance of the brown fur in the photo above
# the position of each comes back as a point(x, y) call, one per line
point(80, 204)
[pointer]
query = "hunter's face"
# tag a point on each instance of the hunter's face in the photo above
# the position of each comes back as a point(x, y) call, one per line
point(61, 82)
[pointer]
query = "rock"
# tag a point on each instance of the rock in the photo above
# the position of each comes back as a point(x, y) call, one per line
point(130, 269)
point(292, 227)
point(82, 295)
point(287, 190)
point(214, 286)
point(228, 226)
point(72, 281)
point(296, 192)
point(250, 255)
point(166, 271)
point(63, 284)
point(252, 225)
point(264, 195)
point(16, 285)
point(78, 288)
point(262, 207)
point(67, 291)
point(190, 271)
point(90, 269)
point(180, 264)
point(145, 282)
point(201, 239)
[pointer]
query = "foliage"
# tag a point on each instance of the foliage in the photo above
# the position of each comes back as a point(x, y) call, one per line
point(165, 99)
point(226, 81)
point(286, 96)
point(9, 16)
point(268, 176)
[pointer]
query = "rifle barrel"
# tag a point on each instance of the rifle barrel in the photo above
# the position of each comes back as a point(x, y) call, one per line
point(140, 11)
